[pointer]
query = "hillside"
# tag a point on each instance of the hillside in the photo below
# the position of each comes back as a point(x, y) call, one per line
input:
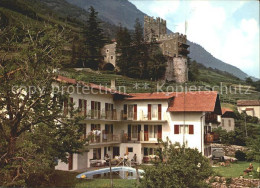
point(210, 80)
point(124, 12)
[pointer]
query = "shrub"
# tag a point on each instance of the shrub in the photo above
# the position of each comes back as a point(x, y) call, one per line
point(177, 167)
point(240, 155)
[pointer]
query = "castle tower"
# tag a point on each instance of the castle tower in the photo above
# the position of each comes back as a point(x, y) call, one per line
point(174, 47)
point(154, 27)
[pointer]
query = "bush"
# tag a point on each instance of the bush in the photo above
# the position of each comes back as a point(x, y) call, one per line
point(240, 155)
point(177, 167)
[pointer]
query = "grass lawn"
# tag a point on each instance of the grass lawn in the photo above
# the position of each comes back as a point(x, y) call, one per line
point(105, 183)
point(68, 179)
point(235, 170)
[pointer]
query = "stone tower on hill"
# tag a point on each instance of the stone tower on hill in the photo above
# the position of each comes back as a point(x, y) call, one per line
point(173, 45)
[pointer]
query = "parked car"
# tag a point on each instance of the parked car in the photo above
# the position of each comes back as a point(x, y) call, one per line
point(218, 153)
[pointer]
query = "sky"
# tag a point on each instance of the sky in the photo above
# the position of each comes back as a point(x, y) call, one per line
point(229, 30)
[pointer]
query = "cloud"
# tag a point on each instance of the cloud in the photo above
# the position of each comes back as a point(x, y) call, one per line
point(223, 28)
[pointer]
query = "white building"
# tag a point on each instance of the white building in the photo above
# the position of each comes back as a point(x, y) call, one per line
point(250, 107)
point(120, 123)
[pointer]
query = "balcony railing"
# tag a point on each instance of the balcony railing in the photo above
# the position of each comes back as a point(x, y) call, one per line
point(140, 137)
point(97, 136)
point(110, 138)
point(143, 116)
point(100, 114)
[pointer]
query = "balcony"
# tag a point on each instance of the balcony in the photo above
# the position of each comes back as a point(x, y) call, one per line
point(100, 115)
point(141, 116)
point(212, 118)
point(141, 137)
point(211, 137)
point(95, 137)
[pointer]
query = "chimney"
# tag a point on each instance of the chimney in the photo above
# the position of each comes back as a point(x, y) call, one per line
point(113, 84)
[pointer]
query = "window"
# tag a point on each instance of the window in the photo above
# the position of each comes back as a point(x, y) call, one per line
point(107, 50)
point(181, 129)
point(112, 57)
point(95, 127)
point(109, 110)
point(154, 111)
point(96, 153)
point(82, 107)
point(223, 124)
point(229, 123)
point(130, 149)
point(130, 111)
point(95, 109)
point(134, 131)
point(149, 151)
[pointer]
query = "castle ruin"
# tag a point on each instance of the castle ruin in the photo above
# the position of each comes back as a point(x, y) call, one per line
point(174, 47)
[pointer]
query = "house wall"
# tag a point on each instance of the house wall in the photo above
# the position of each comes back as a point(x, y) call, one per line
point(189, 118)
point(169, 119)
point(229, 123)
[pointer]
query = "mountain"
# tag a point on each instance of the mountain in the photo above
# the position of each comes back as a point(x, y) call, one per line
point(125, 13)
point(199, 54)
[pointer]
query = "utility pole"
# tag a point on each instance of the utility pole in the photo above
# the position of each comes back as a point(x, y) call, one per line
point(245, 125)
point(111, 178)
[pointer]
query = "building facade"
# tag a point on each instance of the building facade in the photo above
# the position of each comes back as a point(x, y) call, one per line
point(251, 107)
point(118, 123)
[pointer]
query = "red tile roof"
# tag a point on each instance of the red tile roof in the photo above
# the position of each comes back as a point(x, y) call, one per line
point(151, 96)
point(91, 85)
point(248, 103)
point(224, 110)
point(196, 101)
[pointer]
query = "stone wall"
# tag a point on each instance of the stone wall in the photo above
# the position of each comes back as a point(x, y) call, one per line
point(221, 182)
point(229, 149)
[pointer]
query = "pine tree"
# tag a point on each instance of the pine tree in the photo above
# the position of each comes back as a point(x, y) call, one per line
point(95, 40)
point(123, 50)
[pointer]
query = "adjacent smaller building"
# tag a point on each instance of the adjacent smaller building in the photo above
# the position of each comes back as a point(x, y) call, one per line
point(228, 119)
point(250, 107)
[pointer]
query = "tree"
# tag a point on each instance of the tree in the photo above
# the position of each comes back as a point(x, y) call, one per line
point(177, 166)
point(95, 40)
point(249, 81)
point(123, 49)
point(193, 73)
point(33, 130)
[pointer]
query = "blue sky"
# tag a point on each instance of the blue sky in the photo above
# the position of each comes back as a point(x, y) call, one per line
point(229, 30)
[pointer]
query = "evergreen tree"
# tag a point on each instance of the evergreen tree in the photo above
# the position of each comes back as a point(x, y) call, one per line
point(95, 40)
point(123, 50)
point(193, 73)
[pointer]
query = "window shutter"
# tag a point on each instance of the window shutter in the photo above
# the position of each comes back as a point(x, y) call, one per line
point(176, 129)
point(159, 112)
point(80, 105)
point(139, 130)
point(125, 112)
point(65, 107)
point(92, 105)
point(85, 130)
point(135, 112)
point(99, 107)
point(129, 132)
point(191, 129)
point(160, 131)
point(146, 136)
point(149, 111)
point(106, 107)
point(85, 108)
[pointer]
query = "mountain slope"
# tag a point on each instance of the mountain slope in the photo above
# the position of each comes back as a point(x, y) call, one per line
point(124, 12)
point(199, 54)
